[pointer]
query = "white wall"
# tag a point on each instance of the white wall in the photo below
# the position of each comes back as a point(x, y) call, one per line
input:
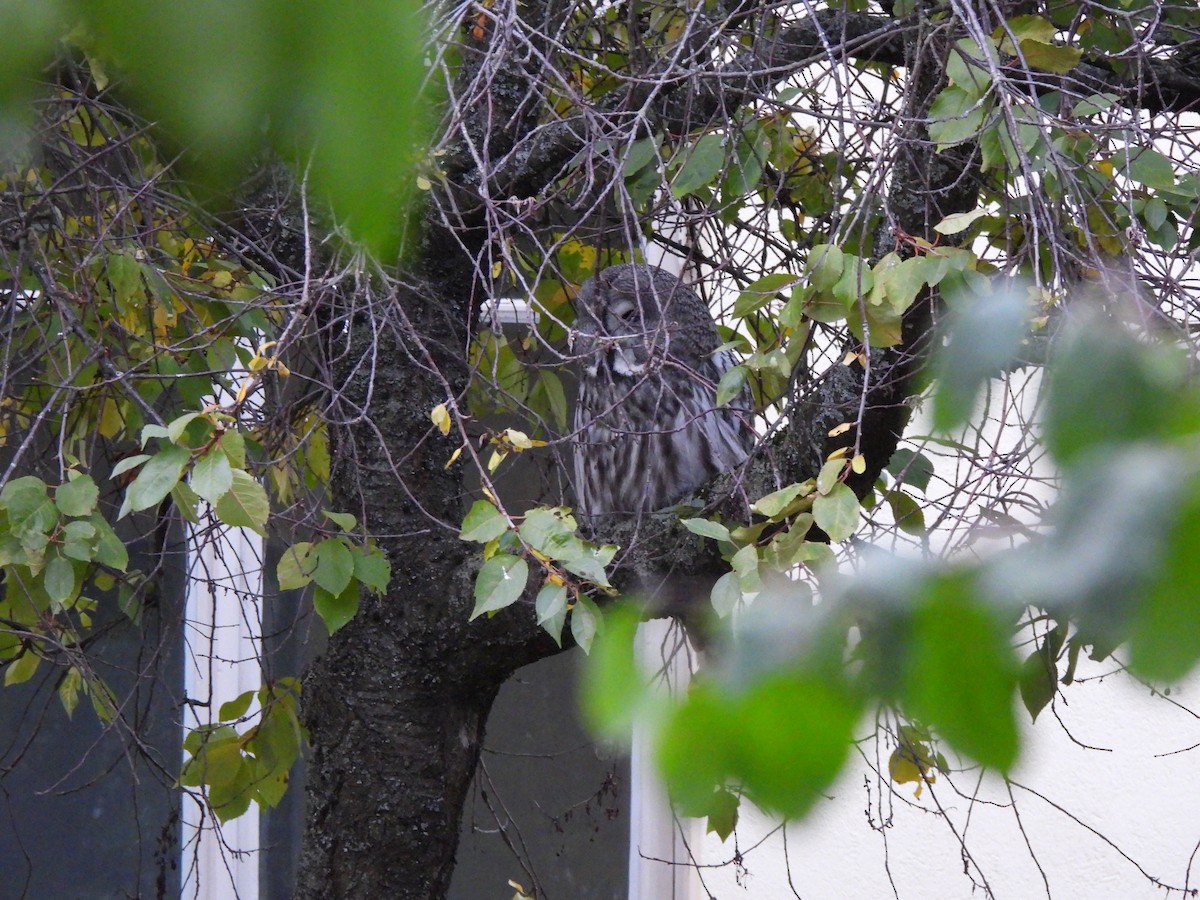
point(1141, 800)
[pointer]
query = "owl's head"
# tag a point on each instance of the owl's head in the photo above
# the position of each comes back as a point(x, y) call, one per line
point(634, 316)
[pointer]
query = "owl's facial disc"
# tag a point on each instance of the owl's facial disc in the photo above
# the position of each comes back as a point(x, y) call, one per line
point(624, 362)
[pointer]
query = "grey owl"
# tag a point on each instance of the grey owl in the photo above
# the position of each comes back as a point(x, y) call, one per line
point(646, 428)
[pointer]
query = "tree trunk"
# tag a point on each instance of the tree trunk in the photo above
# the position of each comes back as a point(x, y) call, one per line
point(397, 707)
point(395, 748)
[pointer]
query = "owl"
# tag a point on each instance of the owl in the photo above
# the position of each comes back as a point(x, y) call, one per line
point(647, 429)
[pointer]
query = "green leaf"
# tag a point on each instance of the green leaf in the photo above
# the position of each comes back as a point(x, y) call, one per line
point(59, 580)
point(585, 623)
point(730, 386)
point(483, 523)
point(723, 814)
point(830, 475)
point(957, 222)
point(912, 467)
point(706, 528)
point(797, 733)
point(176, 427)
point(77, 497)
point(245, 504)
point(1165, 634)
point(21, 669)
point(233, 445)
point(551, 609)
point(983, 336)
point(1038, 682)
point(212, 476)
point(68, 690)
point(547, 530)
point(776, 502)
point(700, 167)
point(613, 687)
point(334, 565)
point(336, 610)
point(761, 292)
point(110, 549)
point(153, 431)
point(956, 116)
point(371, 568)
point(822, 306)
point(1020, 28)
point(551, 602)
point(500, 583)
point(1155, 213)
point(1050, 57)
point(825, 265)
point(1094, 104)
point(856, 281)
point(909, 516)
point(703, 720)
point(235, 709)
point(551, 385)
point(784, 740)
point(836, 513)
point(905, 281)
point(187, 502)
point(1149, 167)
point(746, 170)
point(959, 674)
point(344, 521)
point(156, 478)
point(745, 564)
point(965, 66)
point(1105, 388)
point(330, 78)
point(32, 31)
point(726, 594)
point(640, 154)
point(295, 567)
point(129, 462)
point(30, 508)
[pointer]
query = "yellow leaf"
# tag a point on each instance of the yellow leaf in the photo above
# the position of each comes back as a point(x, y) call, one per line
point(519, 439)
point(257, 364)
point(222, 279)
point(839, 453)
point(497, 268)
point(498, 457)
point(111, 422)
point(454, 456)
point(440, 416)
point(859, 464)
point(283, 370)
point(424, 183)
point(841, 429)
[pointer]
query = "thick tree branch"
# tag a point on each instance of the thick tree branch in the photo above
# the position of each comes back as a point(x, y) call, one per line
point(1163, 85)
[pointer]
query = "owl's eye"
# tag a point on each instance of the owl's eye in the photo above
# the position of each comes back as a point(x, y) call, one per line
point(626, 314)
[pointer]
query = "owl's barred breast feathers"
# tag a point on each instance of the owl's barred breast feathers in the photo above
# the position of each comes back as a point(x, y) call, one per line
point(647, 427)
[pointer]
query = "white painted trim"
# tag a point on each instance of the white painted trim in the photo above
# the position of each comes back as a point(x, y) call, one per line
point(222, 653)
point(659, 862)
